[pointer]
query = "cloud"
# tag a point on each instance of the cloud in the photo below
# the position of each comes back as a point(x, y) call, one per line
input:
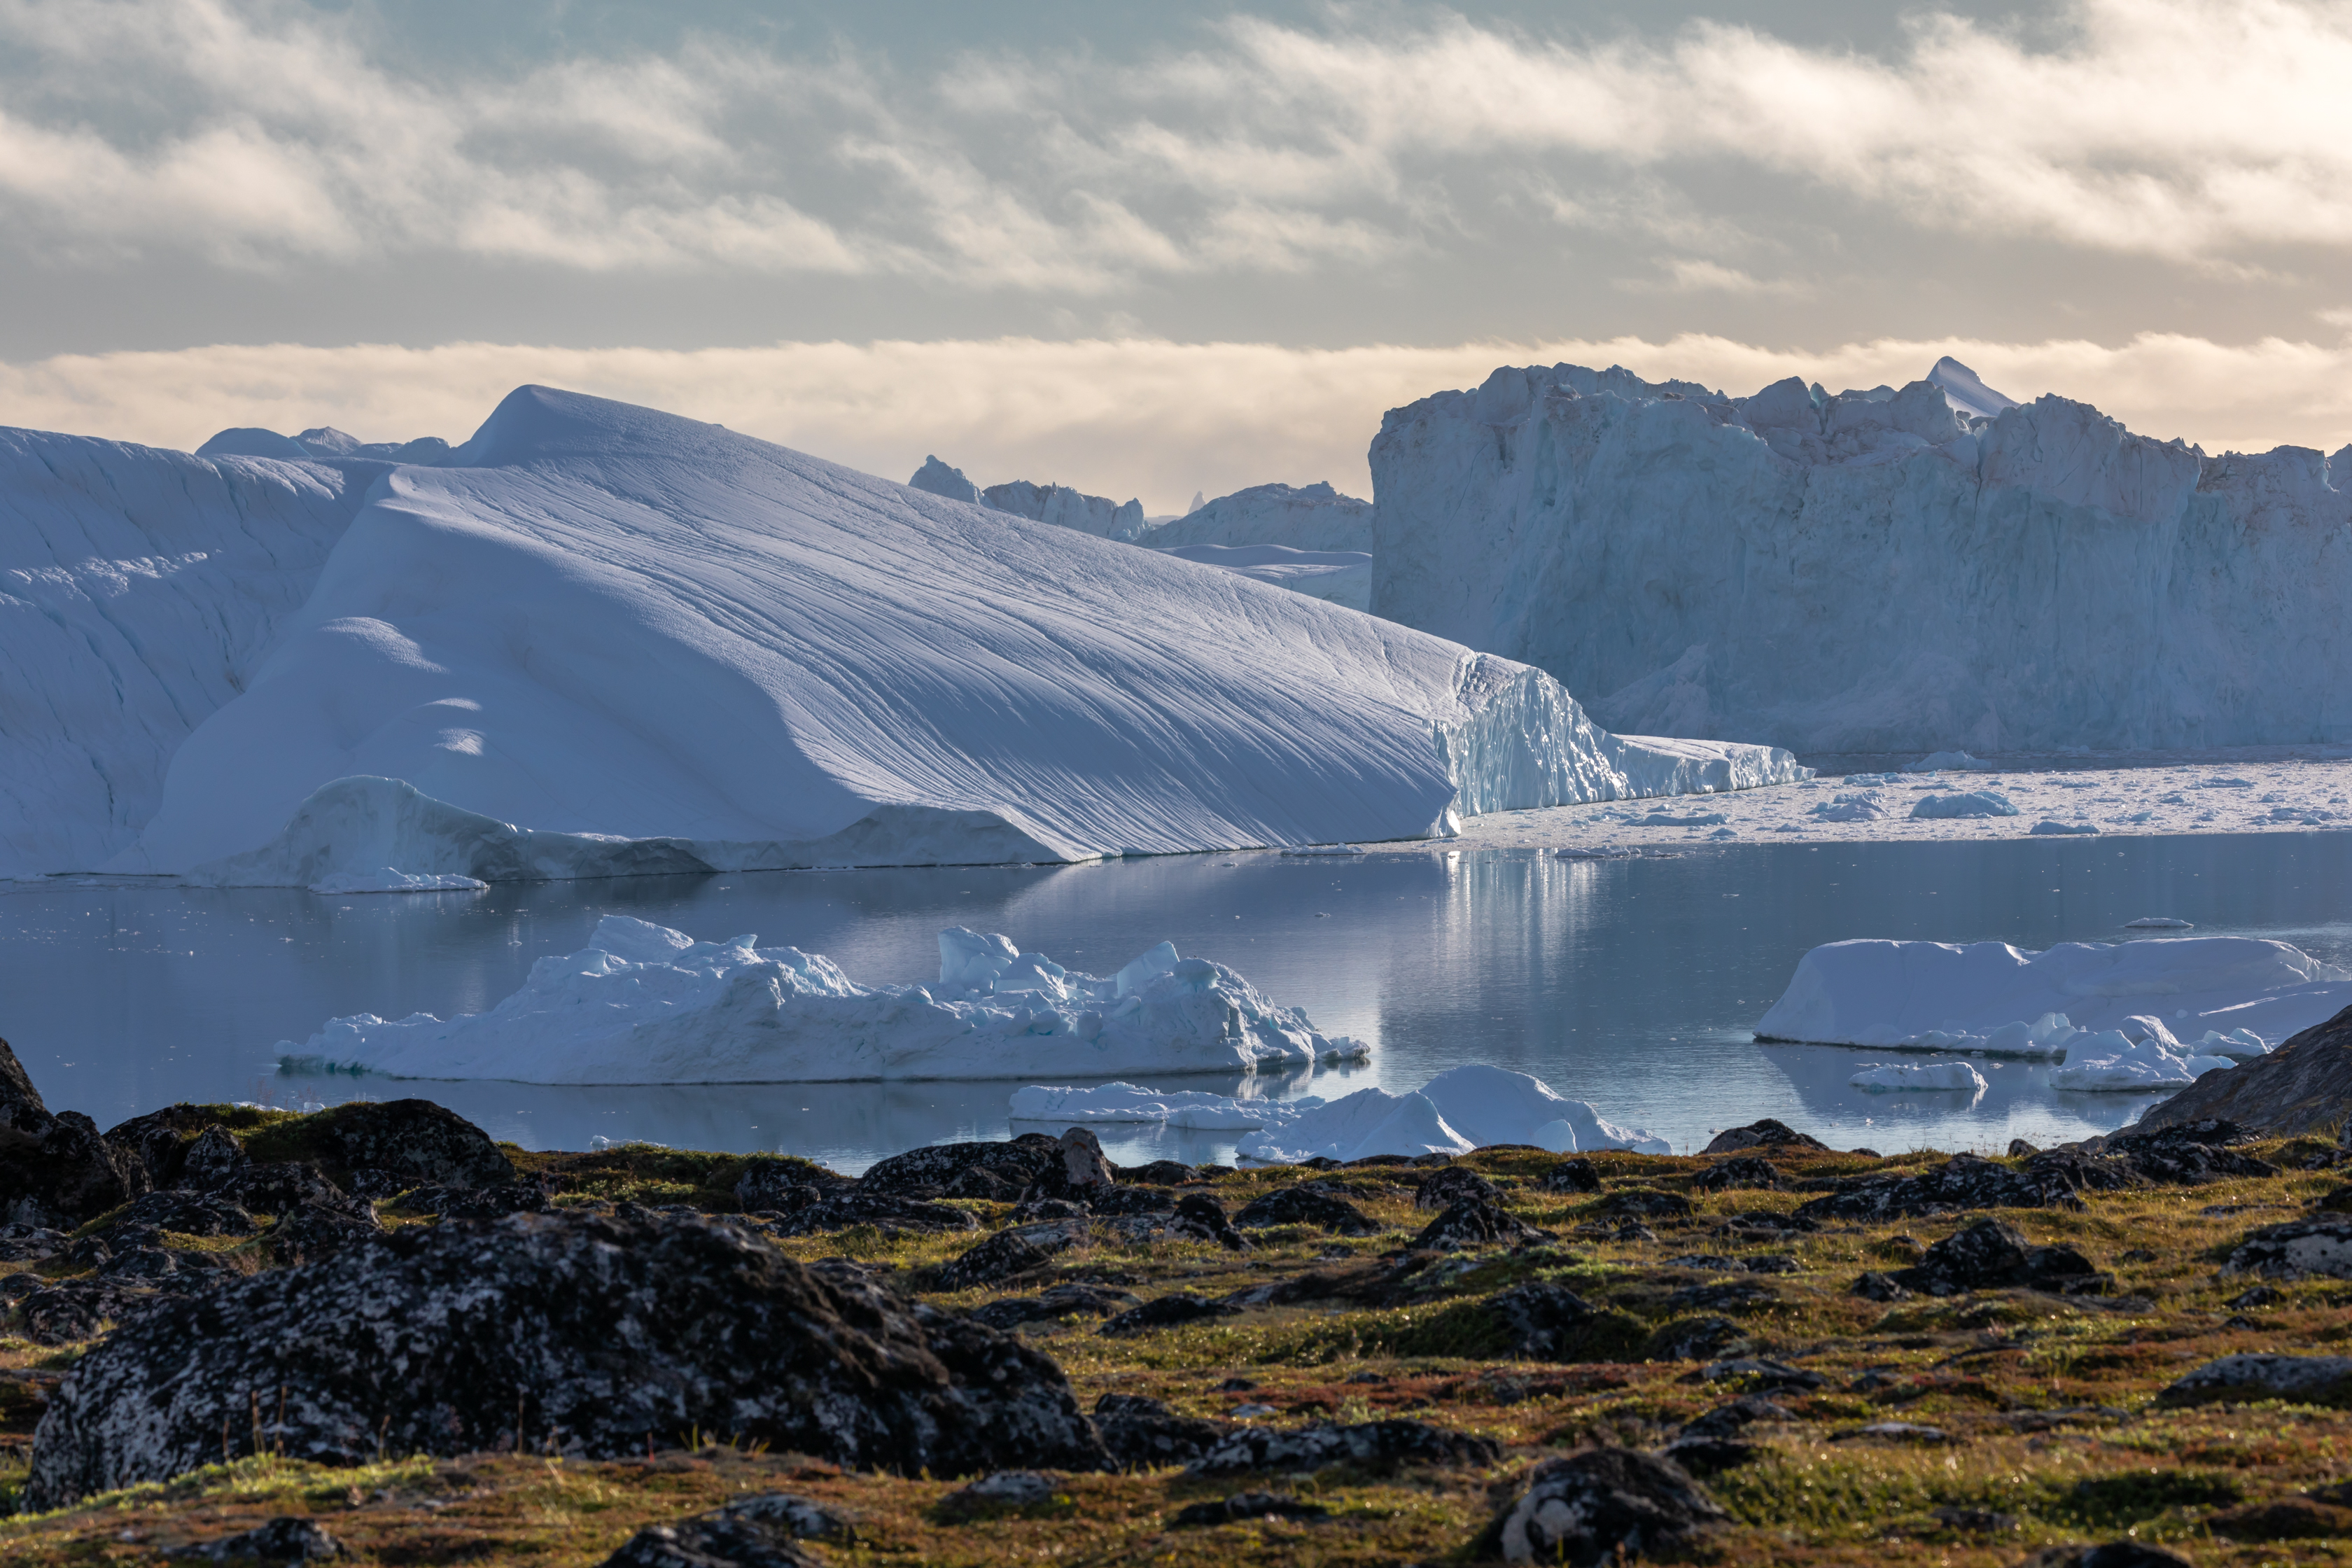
point(264, 135)
point(1137, 416)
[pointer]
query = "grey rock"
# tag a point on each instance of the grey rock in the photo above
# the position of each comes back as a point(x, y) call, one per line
point(763, 1532)
point(478, 1203)
point(1372, 1445)
point(1991, 1256)
point(1143, 1434)
point(286, 1539)
point(1765, 1134)
point(1598, 1506)
point(2302, 1086)
point(2111, 1554)
point(1473, 1223)
point(55, 1172)
point(765, 1182)
point(1246, 1506)
point(1076, 1300)
point(2299, 1249)
point(1740, 1172)
point(1166, 1313)
point(1306, 1203)
point(613, 1326)
point(2301, 1379)
point(1006, 1491)
point(926, 1170)
point(1572, 1176)
point(1964, 1181)
point(1009, 1254)
point(211, 1158)
point(1200, 1217)
point(1444, 1187)
point(842, 1208)
point(1645, 1203)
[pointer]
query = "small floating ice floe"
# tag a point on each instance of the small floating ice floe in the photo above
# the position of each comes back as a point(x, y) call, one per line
point(1949, 762)
point(2046, 828)
point(1692, 819)
point(387, 880)
point(1855, 805)
point(2157, 923)
point(1315, 852)
point(1972, 803)
point(1614, 852)
point(1991, 999)
point(1461, 1109)
point(642, 1004)
point(2113, 1062)
point(1888, 1077)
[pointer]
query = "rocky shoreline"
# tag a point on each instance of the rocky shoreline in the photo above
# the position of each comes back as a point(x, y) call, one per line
point(371, 1331)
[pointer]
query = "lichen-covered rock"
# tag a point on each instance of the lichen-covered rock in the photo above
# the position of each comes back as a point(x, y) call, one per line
point(1991, 1256)
point(315, 1232)
point(765, 1184)
point(1740, 1171)
point(286, 1539)
point(1371, 1445)
point(1449, 1185)
point(1308, 1203)
point(187, 1214)
point(1243, 1508)
point(1076, 1171)
point(614, 1328)
point(55, 1170)
point(927, 1171)
point(2299, 1249)
point(161, 1137)
point(1589, 1507)
point(2111, 1554)
point(1572, 1176)
point(1474, 1223)
point(1009, 1254)
point(1542, 1321)
point(478, 1203)
point(1963, 1181)
point(840, 1208)
point(1765, 1134)
point(2189, 1153)
point(1074, 1299)
point(763, 1532)
point(1200, 1217)
point(1144, 1433)
point(2299, 1379)
point(1160, 1173)
point(1645, 1203)
point(211, 1158)
point(412, 1138)
point(1003, 1492)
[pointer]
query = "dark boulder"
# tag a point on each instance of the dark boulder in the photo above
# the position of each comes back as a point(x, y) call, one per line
point(616, 1330)
point(1645, 1204)
point(161, 1137)
point(56, 1169)
point(1004, 1493)
point(188, 1214)
point(315, 1231)
point(1009, 1254)
point(410, 1138)
point(1694, 1338)
point(2189, 1153)
point(1145, 1435)
point(1765, 1134)
point(1572, 1176)
point(1078, 1169)
point(1371, 1445)
point(2111, 1554)
point(1963, 1181)
point(929, 1171)
point(2299, 1249)
point(478, 1203)
point(1991, 1256)
point(1160, 1173)
point(842, 1208)
point(2297, 1379)
point(286, 1539)
point(1200, 1217)
point(1472, 1223)
point(763, 1532)
point(21, 1243)
point(1166, 1313)
point(1449, 1185)
point(1074, 1299)
point(2302, 1086)
point(1122, 1199)
point(765, 1182)
point(1740, 1171)
point(1246, 1508)
point(1542, 1321)
point(1308, 1203)
point(1602, 1505)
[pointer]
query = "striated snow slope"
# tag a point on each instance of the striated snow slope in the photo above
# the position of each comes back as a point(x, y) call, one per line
point(1889, 570)
point(597, 639)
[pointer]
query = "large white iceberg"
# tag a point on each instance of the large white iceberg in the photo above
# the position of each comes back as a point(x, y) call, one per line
point(1917, 569)
point(2240, 994)
point(597, 637)
point(1305, 517)
point(1461, 1109)
point(643, 1004)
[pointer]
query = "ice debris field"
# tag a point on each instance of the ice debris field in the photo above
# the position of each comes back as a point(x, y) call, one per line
point(597, 639)
point(642, 1004)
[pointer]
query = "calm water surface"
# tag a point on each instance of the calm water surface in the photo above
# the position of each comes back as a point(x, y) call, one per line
point(1630, 984)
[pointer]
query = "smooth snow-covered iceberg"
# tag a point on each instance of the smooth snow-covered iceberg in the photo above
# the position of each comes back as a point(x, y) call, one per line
point(1899, 1078)
point(597, 636)
point(1462, 1109)
point(643, 1004)
point(1924, 568)
point(2240, 994)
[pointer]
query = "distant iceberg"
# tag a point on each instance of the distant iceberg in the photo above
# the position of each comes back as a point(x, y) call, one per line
point(1461, 1109)
point(596, 638)
point(2239, 996)
point(642, 1004)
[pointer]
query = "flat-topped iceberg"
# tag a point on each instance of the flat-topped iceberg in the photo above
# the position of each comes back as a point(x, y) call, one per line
point(1894, 1078)
point(643, 1004)
point(1462, 1109)
point(2240, 994)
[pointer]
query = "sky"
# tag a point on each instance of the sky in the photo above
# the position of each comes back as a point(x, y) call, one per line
point(1151, 249)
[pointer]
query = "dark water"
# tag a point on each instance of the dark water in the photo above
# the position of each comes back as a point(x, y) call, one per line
point(1630, 984)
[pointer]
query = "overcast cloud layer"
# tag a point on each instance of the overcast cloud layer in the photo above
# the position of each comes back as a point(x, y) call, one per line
point(1277, 185)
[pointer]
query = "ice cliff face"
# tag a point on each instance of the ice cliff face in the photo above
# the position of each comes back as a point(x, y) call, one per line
point(1065, 508)
point(596, 640)
point(1896, 569)
point(1310, 516)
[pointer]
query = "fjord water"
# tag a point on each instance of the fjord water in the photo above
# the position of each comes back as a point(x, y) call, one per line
point(1632, 983)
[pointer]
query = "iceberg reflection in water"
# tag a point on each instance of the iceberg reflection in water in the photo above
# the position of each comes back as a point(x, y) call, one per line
point(1633, 984)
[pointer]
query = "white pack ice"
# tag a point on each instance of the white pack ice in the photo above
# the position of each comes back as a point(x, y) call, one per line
point(597, 639)
point(643, 1004)
point(1461, 1109)
point(1919, 569)
point(2232, 997)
